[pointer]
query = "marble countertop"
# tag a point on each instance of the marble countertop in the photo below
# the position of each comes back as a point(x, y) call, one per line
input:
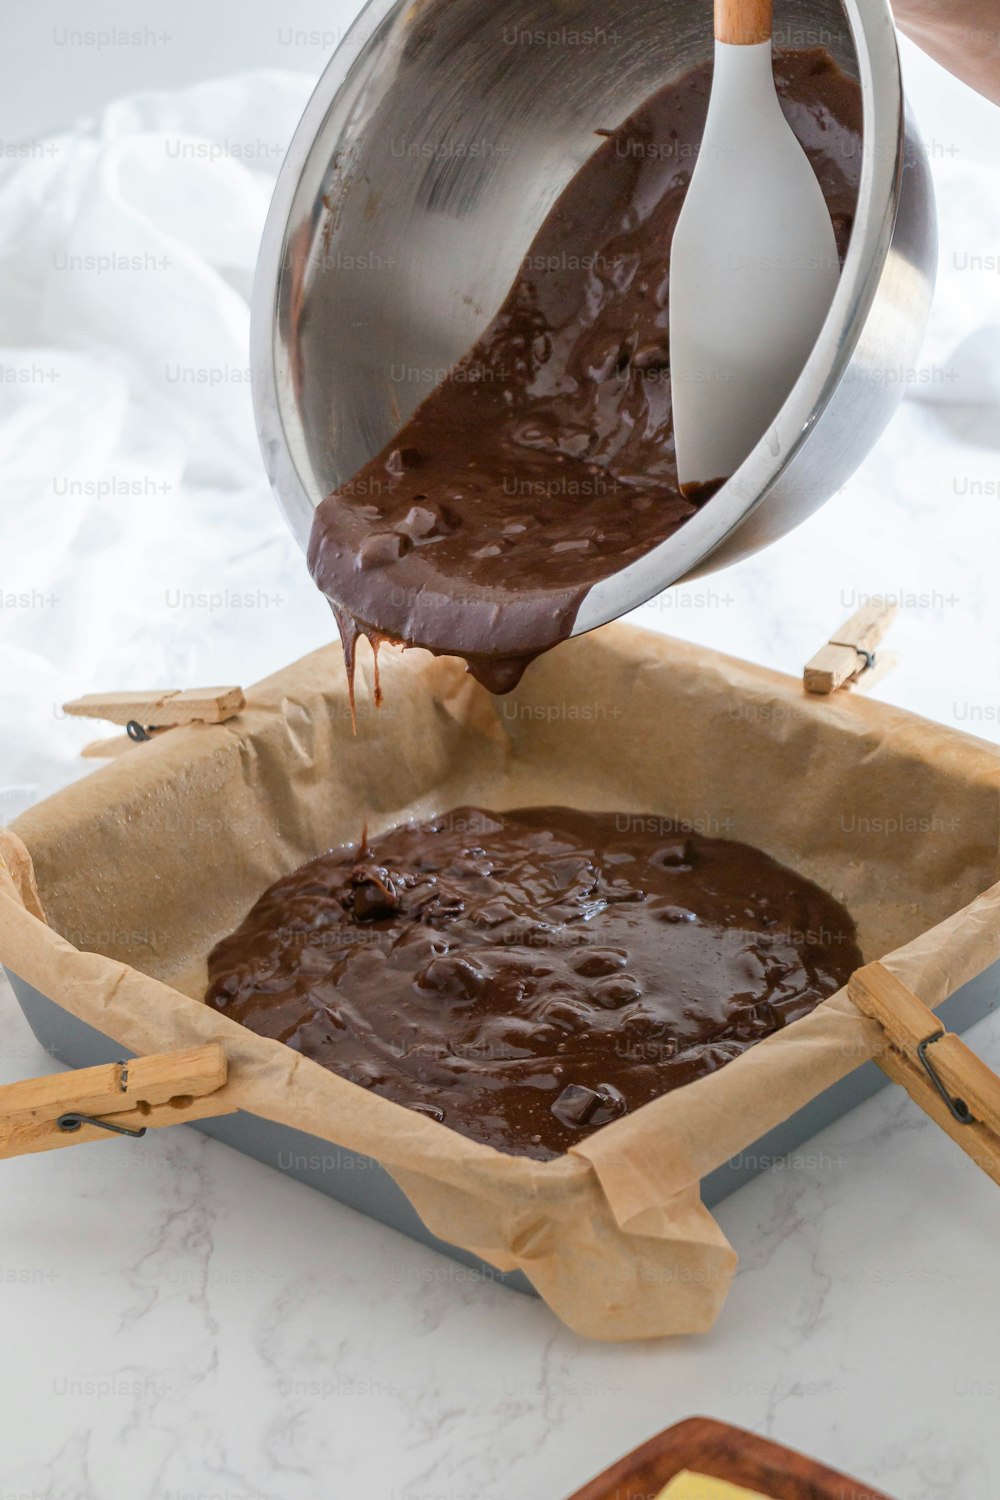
point(181, 1323)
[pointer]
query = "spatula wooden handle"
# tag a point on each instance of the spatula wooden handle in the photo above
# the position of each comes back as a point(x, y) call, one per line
point(743, 23)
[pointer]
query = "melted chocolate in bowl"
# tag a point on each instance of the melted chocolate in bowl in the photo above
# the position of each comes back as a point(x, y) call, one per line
point(527, 977)
point(545, 462)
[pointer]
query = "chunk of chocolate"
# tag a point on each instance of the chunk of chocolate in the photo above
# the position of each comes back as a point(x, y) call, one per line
point(372, 894)
point(381, 548)
point(576, 1105)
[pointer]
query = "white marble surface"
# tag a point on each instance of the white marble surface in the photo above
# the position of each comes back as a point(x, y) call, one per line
point(181, 1323)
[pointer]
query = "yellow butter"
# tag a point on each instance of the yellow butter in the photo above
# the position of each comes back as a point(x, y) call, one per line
point(689, 1486)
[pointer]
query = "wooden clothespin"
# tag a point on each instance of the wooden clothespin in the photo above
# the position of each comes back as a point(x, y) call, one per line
point(146, 715)
point(935, 1067)
point(126, 1098)
point(848, 658)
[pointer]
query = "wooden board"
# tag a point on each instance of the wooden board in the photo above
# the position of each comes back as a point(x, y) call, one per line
point(722, 1452)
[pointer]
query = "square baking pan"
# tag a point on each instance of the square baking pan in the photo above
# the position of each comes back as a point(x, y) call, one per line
point(144, 865)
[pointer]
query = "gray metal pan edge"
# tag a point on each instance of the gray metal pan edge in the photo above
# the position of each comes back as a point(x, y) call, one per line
point(360, 1183)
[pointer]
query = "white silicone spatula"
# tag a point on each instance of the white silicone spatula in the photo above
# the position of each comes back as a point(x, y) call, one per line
point(754, 261)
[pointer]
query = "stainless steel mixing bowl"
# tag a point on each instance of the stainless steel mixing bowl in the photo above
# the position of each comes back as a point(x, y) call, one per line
point(435, 143)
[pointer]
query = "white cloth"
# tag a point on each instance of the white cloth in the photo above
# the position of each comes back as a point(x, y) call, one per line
point(134, 494)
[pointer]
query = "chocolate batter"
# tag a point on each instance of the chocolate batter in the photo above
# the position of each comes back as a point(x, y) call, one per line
point(545, 462)
point(526, 977)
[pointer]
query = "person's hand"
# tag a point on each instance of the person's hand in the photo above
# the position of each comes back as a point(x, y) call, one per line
point(962, 35)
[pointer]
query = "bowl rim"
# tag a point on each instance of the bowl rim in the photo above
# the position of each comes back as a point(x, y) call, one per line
point(278, 446)
point(745, 492)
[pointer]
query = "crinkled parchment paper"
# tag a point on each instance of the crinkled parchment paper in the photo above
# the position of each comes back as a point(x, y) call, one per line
point(143, 865)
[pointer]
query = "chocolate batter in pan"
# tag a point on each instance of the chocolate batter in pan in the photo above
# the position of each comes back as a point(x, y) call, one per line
point(546, 461)
point(526, 977)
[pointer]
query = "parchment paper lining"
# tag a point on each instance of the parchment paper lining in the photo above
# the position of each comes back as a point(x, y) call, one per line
point(142, 866)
